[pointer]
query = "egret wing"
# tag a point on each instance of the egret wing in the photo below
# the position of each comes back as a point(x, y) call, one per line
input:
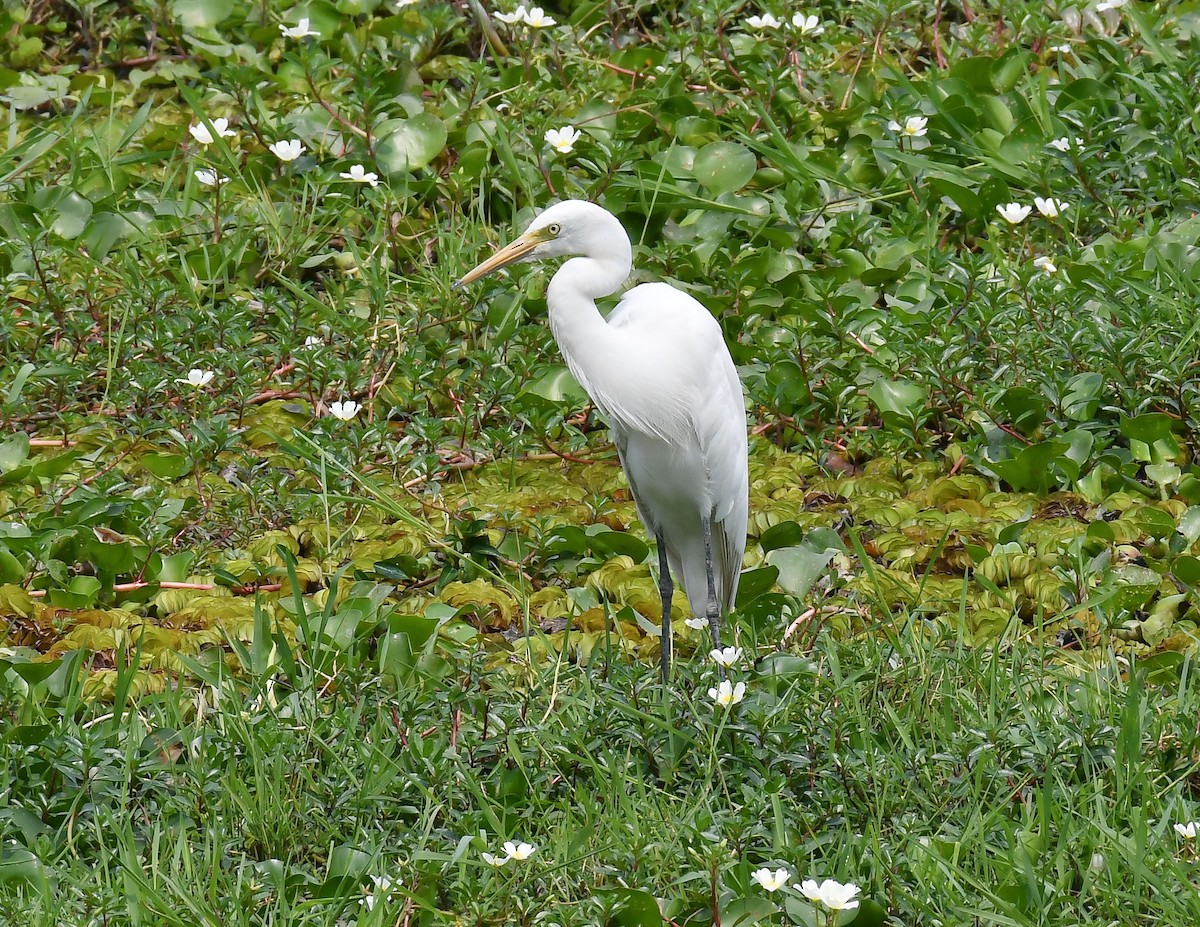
point(687, 392)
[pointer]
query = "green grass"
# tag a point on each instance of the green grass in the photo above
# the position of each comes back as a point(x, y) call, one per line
point(951, 783)
point(387, 646)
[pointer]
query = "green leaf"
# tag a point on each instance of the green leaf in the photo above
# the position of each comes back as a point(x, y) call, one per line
point(799, 567)
point(722, 167)
point(166, 466)
point(14, 452)
point(607, 543)
point(754, 583)
point(11, 569)
point(783, 534)
point(900, 402)
point(71, 215)
point(1023, 408)
point(557, 385)
point(81, 592)
point(1149, 427)
point(201, 14)
point(19, 866)
point(14, 390)
point(634, 908)
point(409, 144)
point(1033, 468)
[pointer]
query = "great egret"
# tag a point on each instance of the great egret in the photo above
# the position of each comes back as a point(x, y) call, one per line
point(659, 371)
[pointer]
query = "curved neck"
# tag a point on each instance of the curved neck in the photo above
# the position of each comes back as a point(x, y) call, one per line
point(581, 331)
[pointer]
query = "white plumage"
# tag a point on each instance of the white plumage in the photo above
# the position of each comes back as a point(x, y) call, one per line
point(659, 370)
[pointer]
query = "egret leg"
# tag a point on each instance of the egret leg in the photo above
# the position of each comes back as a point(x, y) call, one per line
point(713, 610)
point(666, 589)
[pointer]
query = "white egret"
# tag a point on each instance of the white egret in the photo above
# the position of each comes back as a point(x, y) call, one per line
point(659, 371)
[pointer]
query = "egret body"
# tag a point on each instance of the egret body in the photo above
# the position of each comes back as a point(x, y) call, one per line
point(659, 371)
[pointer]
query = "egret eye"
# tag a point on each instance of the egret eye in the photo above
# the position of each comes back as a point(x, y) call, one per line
point(553, 228)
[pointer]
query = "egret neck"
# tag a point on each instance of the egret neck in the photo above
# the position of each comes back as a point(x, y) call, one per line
point(582, 333)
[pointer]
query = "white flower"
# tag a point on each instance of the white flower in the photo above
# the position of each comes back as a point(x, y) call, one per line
point(808, 25)
point(1064, 143)
point(383, 886)
point(834, 895)
point(359, 174)
point(766, 21)
point(201, 134)
point(728, 694)
point(519, 851)
point(696, 624)
point(914, 126)
point(1014, 212)
point(536, 18)
point(312, 341)
point(208, 177)
point(562, 140)
point(770, 880)
point(1050, 206)
point(515, 16)
point(1045, 264)
point(1110, 5)
point(197, 377)
point(727, 657)
point(1061, 49)
point(298, 31)
point(287, 151)
point(344, 411)
point(496, 861)
point(1187, 831)
point(401, 4)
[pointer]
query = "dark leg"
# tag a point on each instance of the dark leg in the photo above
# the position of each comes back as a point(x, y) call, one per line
point(666, 589)
point(713, 611)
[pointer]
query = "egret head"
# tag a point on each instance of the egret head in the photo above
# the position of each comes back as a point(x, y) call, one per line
point(566, 229)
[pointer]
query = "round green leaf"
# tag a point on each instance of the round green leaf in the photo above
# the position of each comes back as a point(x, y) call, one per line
point(723, 167)
point(201, 14)
point(409, 144)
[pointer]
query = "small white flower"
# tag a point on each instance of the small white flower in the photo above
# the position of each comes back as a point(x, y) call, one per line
point(519, 851)
point(834, 895)
point(516, 16)
point(197, 377)
point(1045, 265)
point(496, 861)
point(312, 341)
point(1050, 207)
point(562, 140)
point(766, 21)
point(1014, 212)
point(728, 694)
point(208, 177)
point(287, 151)
point(201, 134)
point(1061, 49)
point(914, 126)
point(300, 30)
point(1110, 5)
point(401, 4)
point(536, 18)
point(359, 174)
point(1062, 144)
point(1187, 831)
point(808, 25)
point(344, 411)
point(769, 880)
point(727, 657)
point(696, 624)
point(383, 887)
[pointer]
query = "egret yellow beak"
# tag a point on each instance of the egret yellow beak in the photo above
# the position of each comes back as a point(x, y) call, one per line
point(509, 254)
